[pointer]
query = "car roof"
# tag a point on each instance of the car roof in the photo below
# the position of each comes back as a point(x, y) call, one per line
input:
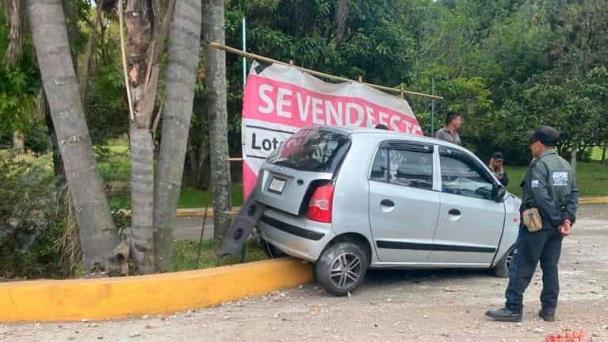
point(388, 134)
point(383, 134)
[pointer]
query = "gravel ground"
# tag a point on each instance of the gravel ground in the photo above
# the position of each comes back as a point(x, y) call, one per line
point(442, 305)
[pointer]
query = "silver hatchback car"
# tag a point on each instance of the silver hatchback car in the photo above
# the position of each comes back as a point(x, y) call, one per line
point(349, 200)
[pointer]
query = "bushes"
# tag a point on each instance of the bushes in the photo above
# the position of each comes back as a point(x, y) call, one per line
point(33, 220)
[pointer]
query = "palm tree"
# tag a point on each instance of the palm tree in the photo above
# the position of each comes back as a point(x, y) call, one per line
point(184, 45)
point(101, 244)
point(215, 85)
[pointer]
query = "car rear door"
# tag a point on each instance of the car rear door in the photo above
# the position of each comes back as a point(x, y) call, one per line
point(404, 203)
point(470, 221)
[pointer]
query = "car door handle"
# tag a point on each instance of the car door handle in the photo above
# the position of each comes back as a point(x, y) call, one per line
point(387, 203)
point(454, 212)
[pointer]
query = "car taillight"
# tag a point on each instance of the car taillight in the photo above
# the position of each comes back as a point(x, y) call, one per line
point(321, 203)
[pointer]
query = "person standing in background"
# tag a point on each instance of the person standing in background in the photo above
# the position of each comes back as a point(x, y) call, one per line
point(453, 122)
point(497, 167)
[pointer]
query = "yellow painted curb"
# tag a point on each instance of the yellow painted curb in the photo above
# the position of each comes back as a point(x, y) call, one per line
point(110, 298)
point(593, 200)
point(191, 212)
point(200, 212)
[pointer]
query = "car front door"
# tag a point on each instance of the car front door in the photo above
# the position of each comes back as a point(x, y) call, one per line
point(404, 202)
point(470, 222)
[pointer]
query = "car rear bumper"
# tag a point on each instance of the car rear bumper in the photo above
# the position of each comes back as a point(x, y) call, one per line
point(298, 237)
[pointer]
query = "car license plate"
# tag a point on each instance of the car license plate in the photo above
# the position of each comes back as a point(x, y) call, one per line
point(277, 185)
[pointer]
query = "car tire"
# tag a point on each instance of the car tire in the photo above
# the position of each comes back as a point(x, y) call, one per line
point(501, 270)
point(341, 268)
point(271, 250)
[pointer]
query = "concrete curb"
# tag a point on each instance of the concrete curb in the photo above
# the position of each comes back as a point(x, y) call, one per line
point(200, 212)
point(111, 298)
point(594, 200)
point(190, 212)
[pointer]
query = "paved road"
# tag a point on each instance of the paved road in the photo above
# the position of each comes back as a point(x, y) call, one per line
point(189, 228)
point(439, 305)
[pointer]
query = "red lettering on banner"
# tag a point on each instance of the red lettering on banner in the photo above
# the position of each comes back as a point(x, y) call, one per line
point(288, 104)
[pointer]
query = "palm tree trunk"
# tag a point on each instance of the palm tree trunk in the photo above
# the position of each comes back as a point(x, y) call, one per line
point(215, 85)
point(184, 45)
point(13, 51)
point(147, 31)
point(101, 243)
point(89, 52)
point(142, 195)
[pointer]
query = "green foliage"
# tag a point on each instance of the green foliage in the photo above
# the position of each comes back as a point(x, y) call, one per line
point(19, 86)
point(32, 219)
point(185, 255)
point(510, 66)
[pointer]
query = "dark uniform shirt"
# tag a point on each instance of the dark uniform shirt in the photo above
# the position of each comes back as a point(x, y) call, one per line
point(550, 186)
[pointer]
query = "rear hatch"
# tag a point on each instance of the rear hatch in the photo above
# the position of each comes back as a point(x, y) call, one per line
point(309, 158)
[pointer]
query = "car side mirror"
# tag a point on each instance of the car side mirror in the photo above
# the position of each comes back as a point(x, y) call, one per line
point(499, 192)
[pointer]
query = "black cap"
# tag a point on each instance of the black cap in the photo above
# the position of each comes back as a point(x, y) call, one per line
point(547, 135)
point(497, 156)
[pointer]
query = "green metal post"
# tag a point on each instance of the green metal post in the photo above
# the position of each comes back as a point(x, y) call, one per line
point(244, 40)
point(432, 106)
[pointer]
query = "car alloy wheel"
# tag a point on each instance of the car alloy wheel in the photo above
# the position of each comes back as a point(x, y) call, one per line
point(345, 270)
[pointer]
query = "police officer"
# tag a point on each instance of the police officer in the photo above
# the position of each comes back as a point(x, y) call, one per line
point(549, 186)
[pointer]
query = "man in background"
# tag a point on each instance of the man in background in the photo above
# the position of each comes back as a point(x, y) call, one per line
point(449, 132)
point(497, 167)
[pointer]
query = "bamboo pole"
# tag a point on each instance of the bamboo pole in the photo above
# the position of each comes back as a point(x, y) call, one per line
point(316, 73)
point(124, 59)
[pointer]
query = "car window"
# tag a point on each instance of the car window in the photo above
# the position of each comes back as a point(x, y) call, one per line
point(380, 166)
point(314, 149)
point(403, 167)
point(462, 176)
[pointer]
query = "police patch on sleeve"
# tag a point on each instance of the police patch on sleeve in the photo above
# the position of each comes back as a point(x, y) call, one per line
point(534, 183)
point(560, 178)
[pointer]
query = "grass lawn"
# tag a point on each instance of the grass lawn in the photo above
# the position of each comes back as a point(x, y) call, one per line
point(114, 167)
point(596, 153)
point(185, 252)
point(591, 177)
point(190, 198)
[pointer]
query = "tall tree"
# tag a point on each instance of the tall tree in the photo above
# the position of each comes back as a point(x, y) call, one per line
point(340, 19)
point(90, 50)
point(147, 30)
point(215, 86)
point(102, 247)
point(12, 55)
point(184, 45)
point(13, 51)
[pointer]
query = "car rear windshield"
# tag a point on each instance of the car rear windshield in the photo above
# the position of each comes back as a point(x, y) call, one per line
point(313, 149)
